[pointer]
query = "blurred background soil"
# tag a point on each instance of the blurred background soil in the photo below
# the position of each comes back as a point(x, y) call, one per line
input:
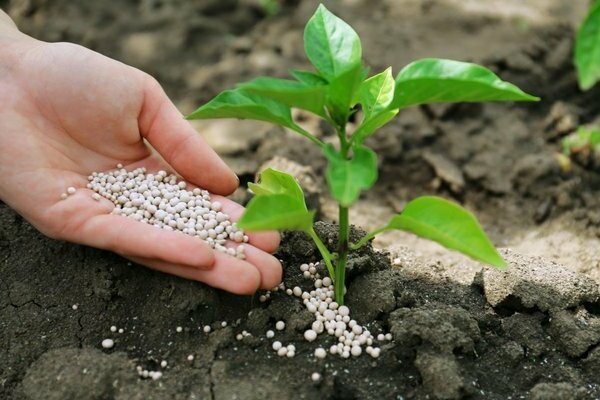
point(500, 160)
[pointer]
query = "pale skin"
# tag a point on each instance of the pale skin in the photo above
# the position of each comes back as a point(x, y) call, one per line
point(67, 111)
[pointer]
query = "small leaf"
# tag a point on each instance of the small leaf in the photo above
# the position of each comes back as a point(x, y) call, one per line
point(276, 212)
point(238, 103)
point(346, 178)
point(308, 78)
point(448, 224)
point(290, 93)
point(377, 92)
point(440, 81)
point(587, 49)
point(342, 92)
point(272, 181)
point(331, 45)
point(368, 127)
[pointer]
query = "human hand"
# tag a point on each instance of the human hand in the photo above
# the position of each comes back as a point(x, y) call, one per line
point(67, 111)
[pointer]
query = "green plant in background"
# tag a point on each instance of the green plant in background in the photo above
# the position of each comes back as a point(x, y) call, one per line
point(587, 62)
point(334, 92)
point(587, 49)
point(585, 140)
point(270, 7)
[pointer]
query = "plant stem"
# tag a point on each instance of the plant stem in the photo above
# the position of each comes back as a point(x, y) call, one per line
point(344, 231)
point(324, 252)
point(367, 237)
point(340, 269)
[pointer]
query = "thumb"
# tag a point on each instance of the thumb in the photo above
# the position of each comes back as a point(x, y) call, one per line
point(180, 145)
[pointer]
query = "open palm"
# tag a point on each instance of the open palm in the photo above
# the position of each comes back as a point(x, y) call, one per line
point(68, 111)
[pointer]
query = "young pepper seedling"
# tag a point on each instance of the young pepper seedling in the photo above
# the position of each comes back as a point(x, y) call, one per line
point(333, 92)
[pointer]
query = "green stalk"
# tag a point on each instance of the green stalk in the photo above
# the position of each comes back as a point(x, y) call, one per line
point(340, 269)
point(324, 252)
point(368, 237)
point(344, 231)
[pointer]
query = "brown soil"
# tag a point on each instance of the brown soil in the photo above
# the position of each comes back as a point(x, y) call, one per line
point(459, 332)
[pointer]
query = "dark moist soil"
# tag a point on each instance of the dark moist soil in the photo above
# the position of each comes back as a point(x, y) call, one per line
point(529, 333)
point(449, 343)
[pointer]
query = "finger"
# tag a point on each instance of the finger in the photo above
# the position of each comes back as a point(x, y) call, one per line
point(129, 237)
point(266, 240)
point(269, 267)
point(228, 273)
point(180, 145)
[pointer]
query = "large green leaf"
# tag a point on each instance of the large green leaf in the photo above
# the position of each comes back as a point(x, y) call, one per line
point(587, 49)
point(238, 103)
point(376, 93)
point(449, 225)
point(439, 81)
point(347, 177)
point(272, 181)
point(276, 212)
point(331, 45)
point(241, 104)
point(291, 93)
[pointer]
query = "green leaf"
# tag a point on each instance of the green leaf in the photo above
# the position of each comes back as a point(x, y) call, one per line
point(587, 49)
point(276, 212)
point(342, 92)
point(331, 45)
point(308, 78)
point(346, 178)
point(439, 81)
point(244, 105)
point(376, 93)
point(238, 103)
point(290, 93)
point(448, 224)
point(272, 181)
point(368, 127)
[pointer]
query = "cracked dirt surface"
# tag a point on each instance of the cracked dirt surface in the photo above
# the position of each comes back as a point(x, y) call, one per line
point(448, 341)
